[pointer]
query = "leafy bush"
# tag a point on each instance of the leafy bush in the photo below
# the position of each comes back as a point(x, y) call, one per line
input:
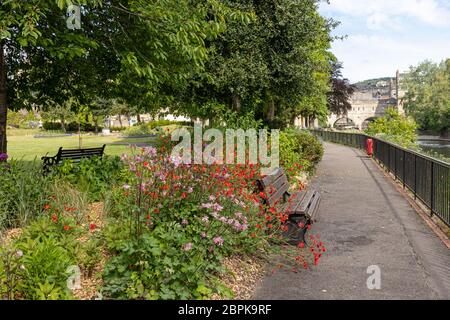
point(70, 127)
point(118, 129)
point(299, 151)
point(17, 119)
point(150, 127)
point(395, 128)
point(46, 257)
point(23, 192)
point(38, 261)
point(93, 176)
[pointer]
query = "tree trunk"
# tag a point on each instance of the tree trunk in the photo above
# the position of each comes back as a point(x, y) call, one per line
point(120, 120)
point(235, 102)
point(311, 122)
point(139, 117)
point(271, 111)
point(3, 102)
point(63, 126)
point(96, 125)
point(292, 121)
point(80, 140)
point(445, 133)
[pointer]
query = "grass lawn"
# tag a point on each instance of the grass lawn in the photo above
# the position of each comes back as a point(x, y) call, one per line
point(24, 146)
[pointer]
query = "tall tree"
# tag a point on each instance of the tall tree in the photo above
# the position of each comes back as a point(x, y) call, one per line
point(339, 97)
point(29, 29)
point(151, 46)
point(428, 95)
point(269, 64)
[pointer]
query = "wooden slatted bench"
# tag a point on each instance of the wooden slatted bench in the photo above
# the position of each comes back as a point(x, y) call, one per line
point(71, 154)
point(301, 207)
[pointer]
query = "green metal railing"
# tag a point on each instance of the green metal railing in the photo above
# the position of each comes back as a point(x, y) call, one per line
point(427, 178)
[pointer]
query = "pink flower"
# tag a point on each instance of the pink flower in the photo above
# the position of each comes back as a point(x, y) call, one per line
point(126, 187)
point(205, 219)
point(203, 235)
point(218, 241)
point(150, 151)
point(187, 246)
point(184, 222)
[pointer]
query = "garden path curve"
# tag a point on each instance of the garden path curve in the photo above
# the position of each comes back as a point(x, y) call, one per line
point(365, 221)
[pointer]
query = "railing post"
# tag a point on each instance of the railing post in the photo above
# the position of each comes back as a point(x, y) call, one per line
point(432, 188)
point(395, 163)
point(415, 177)
point(389, 157)
point(404, 169)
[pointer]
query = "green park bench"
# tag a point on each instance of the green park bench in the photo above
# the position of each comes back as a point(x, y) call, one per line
point(71, 154)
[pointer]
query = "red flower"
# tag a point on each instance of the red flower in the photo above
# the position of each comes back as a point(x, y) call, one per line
point(301, 245)
point(66, 228)
point(156, 210)
point(46, 206)
point(54, 218)
point(92, 227)
point(184, 195)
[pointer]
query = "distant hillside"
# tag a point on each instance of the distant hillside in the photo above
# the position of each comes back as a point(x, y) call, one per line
point(371, 83)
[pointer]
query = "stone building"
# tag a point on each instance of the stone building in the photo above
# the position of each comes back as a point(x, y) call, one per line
point(370, 100)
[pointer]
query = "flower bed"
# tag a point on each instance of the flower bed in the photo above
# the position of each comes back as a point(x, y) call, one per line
point(165, 230)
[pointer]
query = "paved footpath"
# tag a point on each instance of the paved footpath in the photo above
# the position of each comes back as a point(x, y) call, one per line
point(365, 221)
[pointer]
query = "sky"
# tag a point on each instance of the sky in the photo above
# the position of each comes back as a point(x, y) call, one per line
point(383, 36)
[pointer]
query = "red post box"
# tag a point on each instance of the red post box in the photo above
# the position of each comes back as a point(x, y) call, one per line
point(369, 147)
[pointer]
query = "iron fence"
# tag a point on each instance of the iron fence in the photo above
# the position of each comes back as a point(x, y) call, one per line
point(427, 178)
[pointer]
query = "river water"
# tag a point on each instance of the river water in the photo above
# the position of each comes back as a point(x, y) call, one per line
point(439, 146)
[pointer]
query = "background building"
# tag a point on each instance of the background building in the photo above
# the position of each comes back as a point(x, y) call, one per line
point(370, 100)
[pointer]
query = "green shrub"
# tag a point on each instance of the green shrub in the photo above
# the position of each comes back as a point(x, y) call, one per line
point(38, 261)
point(395, 128)
point(118, 129)
point(23, 192)
point(151, 127)
point(299, 151)
point(93, 176)
point(70, 127)
point(138, 130)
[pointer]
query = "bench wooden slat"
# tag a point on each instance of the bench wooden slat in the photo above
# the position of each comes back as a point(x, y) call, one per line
point(306, 202)
point(278, 194)
point(295, 201)
point(271, 189)
point(268, 180)
point(312, 210)
point(70, 152)
point(76, 157)
point(78, 153)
